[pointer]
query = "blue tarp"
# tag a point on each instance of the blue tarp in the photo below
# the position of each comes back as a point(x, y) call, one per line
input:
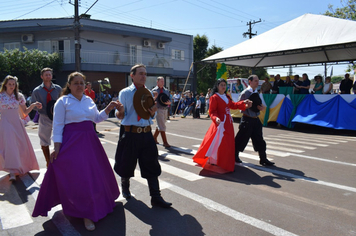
point(335, 113)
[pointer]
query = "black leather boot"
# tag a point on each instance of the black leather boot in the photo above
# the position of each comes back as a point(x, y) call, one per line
point(125, 185)
point(263, 159)
point(237, 158)
point(156, 198)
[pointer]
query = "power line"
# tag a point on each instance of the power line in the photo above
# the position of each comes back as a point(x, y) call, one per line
point(34, 10)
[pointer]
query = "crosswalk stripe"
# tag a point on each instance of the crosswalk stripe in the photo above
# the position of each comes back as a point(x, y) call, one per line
point(287, 145)
point(180, 173)
point(322, 159)
point(183, 136)
point(184, 160)
point(57, 216)
point(13, 213)
point(210, 204)
point(268, 151)
point(311, 180)
point(282, 148)
point(310, 139)
point(331, 138)
point(293, 141)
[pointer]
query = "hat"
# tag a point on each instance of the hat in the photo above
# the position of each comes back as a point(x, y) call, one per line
point(49, 108)
point(256, 101)
point(162, 99)
point(142, 101)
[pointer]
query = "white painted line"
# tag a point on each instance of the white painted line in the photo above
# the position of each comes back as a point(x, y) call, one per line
point(286, 144)
point(294, 141)
point(310, 180)
point(321, 159)
point(184, 160)
point(327, 137)
point(281, 147)
point(270, 152)
point(107, 141)
point(196, 146)
point(182, 136)
point(13, 212)
point(185, 150)
point(250, 156)
point(180, 173)
point(310, 139)
point(61, 222)
point(215, 206)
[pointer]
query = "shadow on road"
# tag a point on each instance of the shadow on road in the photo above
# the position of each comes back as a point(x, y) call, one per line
point(245, 174)
point(164, 221)
point(113, 224)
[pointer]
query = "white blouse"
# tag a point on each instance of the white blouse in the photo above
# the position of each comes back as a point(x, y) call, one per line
point(223, 97)
point(69, 109)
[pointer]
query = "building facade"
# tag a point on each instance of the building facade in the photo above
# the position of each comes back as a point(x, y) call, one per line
point(107, 50)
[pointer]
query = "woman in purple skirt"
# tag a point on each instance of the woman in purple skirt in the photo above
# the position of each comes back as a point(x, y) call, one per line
point(80, 176)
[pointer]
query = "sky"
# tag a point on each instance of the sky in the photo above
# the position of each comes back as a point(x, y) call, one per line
point(222, 21)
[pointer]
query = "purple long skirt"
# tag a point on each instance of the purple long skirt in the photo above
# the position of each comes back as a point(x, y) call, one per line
point(81, 178)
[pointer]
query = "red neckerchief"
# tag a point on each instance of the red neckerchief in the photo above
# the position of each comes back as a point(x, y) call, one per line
point(49, 98)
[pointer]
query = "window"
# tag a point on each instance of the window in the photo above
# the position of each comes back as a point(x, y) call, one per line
point(11, 46)
point(177, 54)
point(45, 46)
point(135, 54)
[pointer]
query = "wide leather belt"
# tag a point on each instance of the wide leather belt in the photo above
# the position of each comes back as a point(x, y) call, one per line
point(137, 129)
point(250, 116)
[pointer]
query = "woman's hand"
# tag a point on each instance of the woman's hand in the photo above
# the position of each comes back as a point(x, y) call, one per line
point(248, 103)
point(37, 105)
point(54, 154)
point(217, 120)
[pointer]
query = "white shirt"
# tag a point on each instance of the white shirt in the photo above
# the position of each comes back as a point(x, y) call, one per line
point(69, 109)
point(198, 104)
point(223, 97)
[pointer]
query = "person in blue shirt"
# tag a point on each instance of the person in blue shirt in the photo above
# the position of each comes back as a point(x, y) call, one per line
point(189, 104)
point(136, 142)
point(304, 87)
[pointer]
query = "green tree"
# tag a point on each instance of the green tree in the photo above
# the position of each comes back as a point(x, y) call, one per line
point(336, 79)
point(347, 11)
point(26, 65)
point(200, 44)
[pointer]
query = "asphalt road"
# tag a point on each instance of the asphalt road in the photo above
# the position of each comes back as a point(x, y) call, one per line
point(310, 191)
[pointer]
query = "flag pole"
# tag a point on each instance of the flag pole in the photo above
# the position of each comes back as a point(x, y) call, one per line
point(185, 84)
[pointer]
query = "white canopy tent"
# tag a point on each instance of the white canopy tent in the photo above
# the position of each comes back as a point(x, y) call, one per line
point(308, 39)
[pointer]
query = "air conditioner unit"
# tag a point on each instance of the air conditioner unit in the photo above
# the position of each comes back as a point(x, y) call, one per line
point(160, 45)
point(146, 43)
point(27, 38)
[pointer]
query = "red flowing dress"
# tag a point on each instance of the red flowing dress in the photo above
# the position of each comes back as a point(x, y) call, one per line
point(226, 150)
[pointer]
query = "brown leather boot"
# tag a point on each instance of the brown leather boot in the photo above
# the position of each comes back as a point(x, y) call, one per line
point(164, 138)
point(45, 150)
point(155, 135)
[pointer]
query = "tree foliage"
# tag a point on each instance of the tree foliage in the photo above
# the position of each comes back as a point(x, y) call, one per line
point(26, 65)
point(347, 11)
point(206, 72)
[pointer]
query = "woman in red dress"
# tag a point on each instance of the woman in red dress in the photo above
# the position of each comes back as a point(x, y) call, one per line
point(218, 146)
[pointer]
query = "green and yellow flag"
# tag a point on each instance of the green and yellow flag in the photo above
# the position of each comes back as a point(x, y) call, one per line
point(221, 71)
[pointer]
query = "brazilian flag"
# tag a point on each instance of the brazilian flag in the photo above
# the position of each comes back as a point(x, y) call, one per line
point(221, 71)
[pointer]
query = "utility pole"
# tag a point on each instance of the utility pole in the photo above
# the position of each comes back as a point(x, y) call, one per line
point(249, 33)
point(76, 36)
